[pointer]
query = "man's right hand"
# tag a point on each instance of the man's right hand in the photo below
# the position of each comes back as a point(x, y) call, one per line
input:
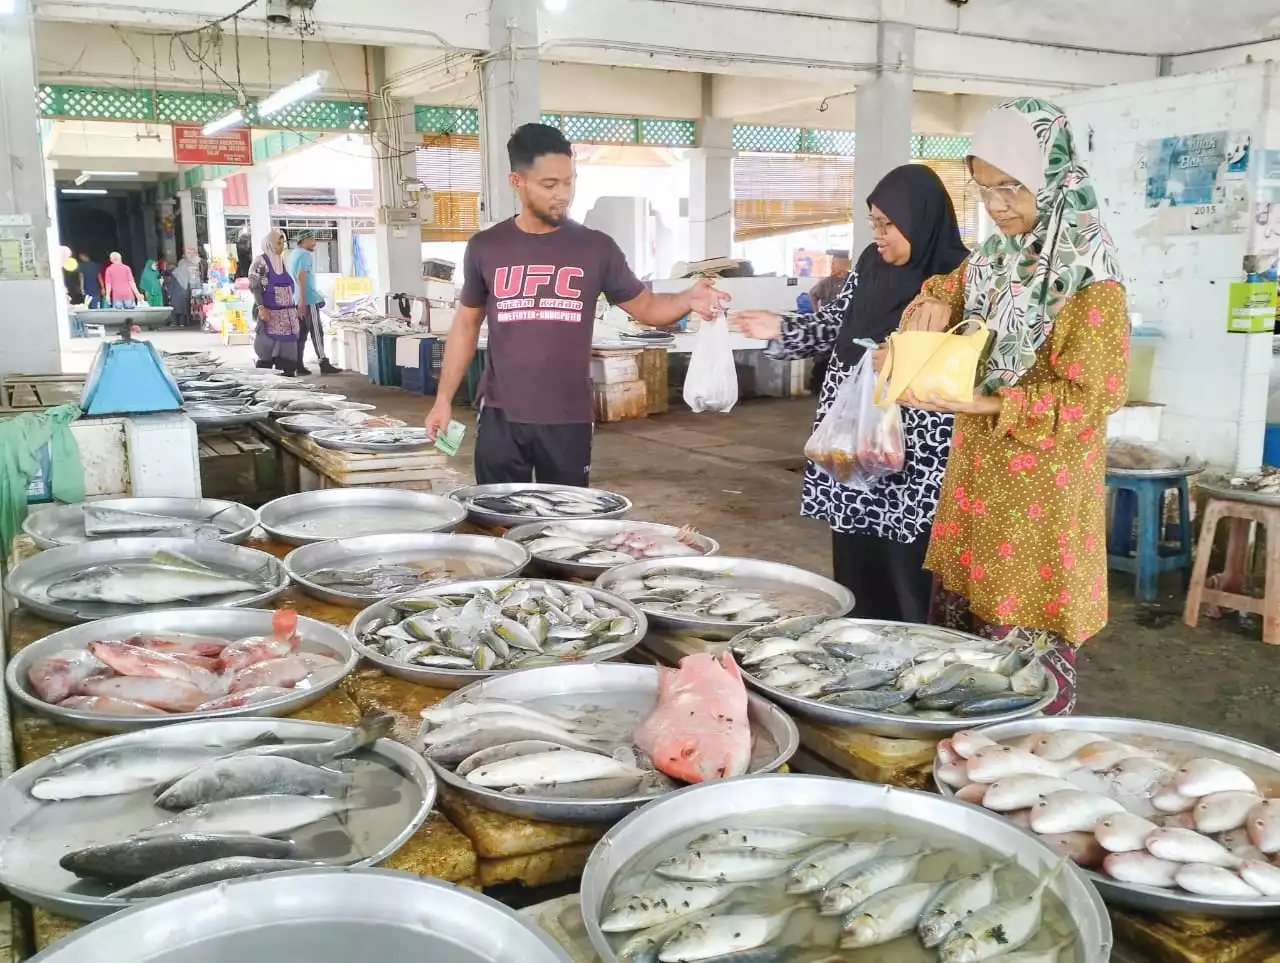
point(438, 419)
point(761, 325)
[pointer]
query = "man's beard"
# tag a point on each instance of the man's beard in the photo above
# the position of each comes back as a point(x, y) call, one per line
point(550, 219)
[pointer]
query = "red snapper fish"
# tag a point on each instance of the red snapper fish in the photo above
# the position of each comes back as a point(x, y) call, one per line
point(699, 731)
point(282, 641)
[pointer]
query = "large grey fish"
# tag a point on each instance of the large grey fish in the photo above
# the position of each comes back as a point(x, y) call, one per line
point(608, 787)
point(459, 740)
point(551, 768)
point(122, 769)
point(131, 860)
point(214, 871)
point(955, 901)
point(666, 901)
point(99, 521)
point(508, 750)
point(372, 727)
point(239, 776)
point(1000, 928)
point(152, 583)
point(253, 815)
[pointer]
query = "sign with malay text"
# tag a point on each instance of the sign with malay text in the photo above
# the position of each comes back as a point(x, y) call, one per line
point(234, 147)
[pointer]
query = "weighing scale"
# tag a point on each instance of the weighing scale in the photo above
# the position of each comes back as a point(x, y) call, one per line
point(144, 316)
point(127, 378)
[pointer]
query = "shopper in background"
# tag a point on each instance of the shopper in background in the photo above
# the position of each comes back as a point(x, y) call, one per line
point(121, 290)
point(178, 285)
point(825, 291)
point(879, 537)
point(275, 341)
point(1020, 537)
point(302, 268)
point(151, 288)
point(89, 271)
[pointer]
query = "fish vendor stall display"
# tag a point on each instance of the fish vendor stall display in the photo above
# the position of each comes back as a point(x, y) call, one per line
point(373, 441)
point(330, 513)
point(508, 505)
point(139, 671)
point(357, 571)
point(311, 421)
point(590, 743)
point(781, 868)
point(588, 548)
point(198, 518)
point(90, 830)
point(462, 631)
point(1165, 818)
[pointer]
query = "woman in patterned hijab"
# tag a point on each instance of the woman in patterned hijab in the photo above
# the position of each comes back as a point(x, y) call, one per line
point(1019, 539)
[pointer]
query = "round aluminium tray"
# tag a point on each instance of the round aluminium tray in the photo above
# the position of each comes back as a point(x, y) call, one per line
point(365, 441)
point(599, 528)
point(57, 525)
point(1177, 471)
point(351, 512)
point(493, 519)
point(1233, 493)
point(211, 415)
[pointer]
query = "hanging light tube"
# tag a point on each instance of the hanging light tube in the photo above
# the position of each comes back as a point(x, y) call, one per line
point(232, 119)
point(286, 96)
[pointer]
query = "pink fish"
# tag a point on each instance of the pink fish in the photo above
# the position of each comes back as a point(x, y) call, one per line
point(109, 706)
point(58, 676)
point(285, 672)
point(173, 695)
point(282, 641)
point(245, 697)
point(135, 661)
point(699, 730)
point(181, 643)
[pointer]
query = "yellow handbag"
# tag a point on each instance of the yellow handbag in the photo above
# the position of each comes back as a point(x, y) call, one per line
point(937, 364)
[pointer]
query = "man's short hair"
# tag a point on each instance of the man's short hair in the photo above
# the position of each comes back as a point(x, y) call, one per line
point(531, 141)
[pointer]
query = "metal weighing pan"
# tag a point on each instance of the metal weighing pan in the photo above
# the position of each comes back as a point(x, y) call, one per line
point(1140, 732)
point(319, 637)
point(315, 916)
point(499, 559)
point(35, 833)
point(716, 805)
point(496, 519)
point(28, 582)
point(882, 723)
point(599, 528)
point(457, 678)
point(213, 415)
point(771, 576)
point(360, 440)
point(144, 316)
point(1175, 471)
point(64, 524)
point(350, 512)
point(628, 687)
point(1242, 493)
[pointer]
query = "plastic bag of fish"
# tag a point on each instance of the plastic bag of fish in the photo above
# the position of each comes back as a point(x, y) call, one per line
point(565, 543)
point(1151, 816)
point(152, 674)
point(549, 503)
point(518, 625)
point(698, 593)
point(893, 668)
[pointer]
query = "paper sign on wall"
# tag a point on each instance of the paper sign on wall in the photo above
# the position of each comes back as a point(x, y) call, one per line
point(1207, 174)
point(1252, 307)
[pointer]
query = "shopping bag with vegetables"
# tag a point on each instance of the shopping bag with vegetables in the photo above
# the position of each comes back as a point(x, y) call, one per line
point(711, 383)
point(857, 443)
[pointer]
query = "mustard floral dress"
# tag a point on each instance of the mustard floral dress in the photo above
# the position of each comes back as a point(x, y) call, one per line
point(1021, 525)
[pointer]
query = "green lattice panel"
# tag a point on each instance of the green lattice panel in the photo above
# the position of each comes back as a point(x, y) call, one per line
point(552, 120)
point(95, 103)
point(939, 147)
point(773, 140)
point(829, 142)
point(592, 129)
point(446, 120)
point(319, 115)
point(191, 106)
point(667, 133)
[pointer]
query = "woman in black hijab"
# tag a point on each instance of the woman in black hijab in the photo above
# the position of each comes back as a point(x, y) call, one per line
point(879, 537)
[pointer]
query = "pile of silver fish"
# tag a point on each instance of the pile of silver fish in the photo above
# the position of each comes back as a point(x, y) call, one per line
point(213, 410)
point(100, 522)
point(378, 436)
point(1148, 816)
point(521, 751)
point(235, 807)
point(158, 673)
point(165, 577)
point(563, 542)
point(522, 624)
point(549, 503)
point(697, 593)
point(893, 668)
point(733, 894)
point(379, 579)
point(345, 418)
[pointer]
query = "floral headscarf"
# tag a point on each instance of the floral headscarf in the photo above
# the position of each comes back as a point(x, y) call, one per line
point(1017, 285)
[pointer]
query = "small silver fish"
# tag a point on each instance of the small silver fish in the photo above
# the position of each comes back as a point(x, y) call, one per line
point(724, 866)
point(718, 936)
point(760, 838)
point(955, 901)
point(886, 915)
point(865, 880)
point(662, 903)
point(821, 866)
point(999, 928)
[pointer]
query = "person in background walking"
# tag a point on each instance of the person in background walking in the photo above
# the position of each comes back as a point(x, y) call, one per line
point(121, 288)
point(151, 284)
point(275, 341)
point(89, 271)
point(303, 270)
point(178, 284)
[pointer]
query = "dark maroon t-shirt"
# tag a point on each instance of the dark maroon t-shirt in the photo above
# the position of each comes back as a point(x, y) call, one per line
point(539, 292)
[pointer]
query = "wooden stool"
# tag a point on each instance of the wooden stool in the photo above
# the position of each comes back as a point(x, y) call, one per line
point(1144, 496)
point(1241, 517)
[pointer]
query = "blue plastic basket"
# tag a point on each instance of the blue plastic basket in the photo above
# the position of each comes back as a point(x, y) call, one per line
point(423, 379)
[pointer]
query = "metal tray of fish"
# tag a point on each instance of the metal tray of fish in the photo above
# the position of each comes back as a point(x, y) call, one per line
point(611, 504)
point(317, 637)
point(58, 525)
point(762, 591)
point(600, 535)
point(1172, 471)
point(81, 570)
point(374, 441)
point(1238, 493)
point(322, 915)
point(796, 814)
point(306, 406)
point(358, 571)
point(899, 636)
point(391, 793)
point(1142, 733)
point(310, 421)
point(282, 396)
point(213, 415)
point(607, 642)
point(350, 512)
point(620, 690)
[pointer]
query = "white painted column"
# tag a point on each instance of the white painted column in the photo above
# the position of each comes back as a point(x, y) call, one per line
point(399, 267)
point(187, 211)
point(168, 238)
point(216, 219)
point(883, 120)
point(258, 180)
point(29, 326)
point(711, 190)
point(511, 89)
point(344, 262)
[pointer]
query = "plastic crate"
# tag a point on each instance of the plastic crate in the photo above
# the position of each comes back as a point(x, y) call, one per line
point(382, 360)
point(423, 379)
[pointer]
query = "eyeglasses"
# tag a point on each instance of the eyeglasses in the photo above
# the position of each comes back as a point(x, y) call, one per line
point(1007, 194)
point(880, 225)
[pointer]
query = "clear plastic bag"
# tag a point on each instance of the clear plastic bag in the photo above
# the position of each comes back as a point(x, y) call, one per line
point(857, 443)
point(711, 383)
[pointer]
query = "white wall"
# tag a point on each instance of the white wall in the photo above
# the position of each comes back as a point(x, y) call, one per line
point(1214, 384)
point(340, 162)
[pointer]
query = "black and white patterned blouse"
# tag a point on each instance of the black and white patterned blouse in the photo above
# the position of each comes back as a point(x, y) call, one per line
point(901, 506)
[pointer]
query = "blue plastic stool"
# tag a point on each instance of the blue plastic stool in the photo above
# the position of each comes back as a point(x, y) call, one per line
point(1144, 496)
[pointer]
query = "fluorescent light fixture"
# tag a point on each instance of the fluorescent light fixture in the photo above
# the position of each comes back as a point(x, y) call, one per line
point(82, 178)
point(233, 119)
point(298, 90)
point(556, 6)
point(84, 190)
point(110, 173)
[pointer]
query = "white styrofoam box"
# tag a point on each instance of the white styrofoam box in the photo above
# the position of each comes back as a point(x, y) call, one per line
point(616, 368)
point(103, 456)
point(1140, 422)
point(442, 318)
point(436, 290)
point(408, 352)
point(164, 459)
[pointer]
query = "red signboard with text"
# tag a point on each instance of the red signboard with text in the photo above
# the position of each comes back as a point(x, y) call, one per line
point(229, 147)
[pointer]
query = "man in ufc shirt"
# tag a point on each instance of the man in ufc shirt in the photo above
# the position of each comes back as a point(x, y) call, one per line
point(537, 277)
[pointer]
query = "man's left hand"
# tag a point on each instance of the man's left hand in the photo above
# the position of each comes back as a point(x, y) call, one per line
point(705, 300)
point(977, 405)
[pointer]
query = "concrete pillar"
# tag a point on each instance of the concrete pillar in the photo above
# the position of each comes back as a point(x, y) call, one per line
point(168, 235)
point(187, 211)
point(29, 326)
point(511, 80)
point(883, 120)
point(216, 219)
point(258, 180)
point(150, 228)
point(344, 261)
point(399, 267)
point(711, 184)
